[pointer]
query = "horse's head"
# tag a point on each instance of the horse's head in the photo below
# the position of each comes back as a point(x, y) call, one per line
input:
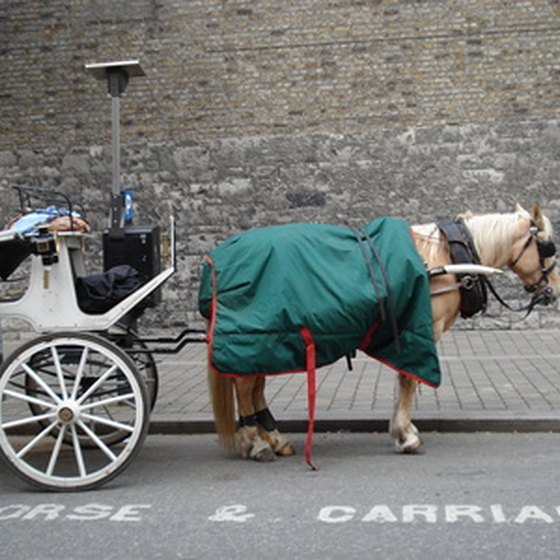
point(522, 241)
point(533, 258)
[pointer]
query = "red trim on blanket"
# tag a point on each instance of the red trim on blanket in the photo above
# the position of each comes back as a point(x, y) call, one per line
point(311, 392)
point(402, 371)
point(213, 311)
point(366, 342)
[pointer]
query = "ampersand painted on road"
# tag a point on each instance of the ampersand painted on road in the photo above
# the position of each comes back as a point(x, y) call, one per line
point(236, 513)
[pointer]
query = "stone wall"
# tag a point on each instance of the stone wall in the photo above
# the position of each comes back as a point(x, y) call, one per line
point(236, 68)
point(260, 112)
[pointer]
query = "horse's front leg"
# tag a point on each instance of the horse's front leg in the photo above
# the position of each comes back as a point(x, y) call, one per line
point(404, 432)
point(268, 427)
point(249, 440)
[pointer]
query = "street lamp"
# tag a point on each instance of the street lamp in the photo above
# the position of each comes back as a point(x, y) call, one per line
point(117, 75)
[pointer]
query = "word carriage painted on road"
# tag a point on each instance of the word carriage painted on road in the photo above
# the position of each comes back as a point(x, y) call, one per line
point(428, 513)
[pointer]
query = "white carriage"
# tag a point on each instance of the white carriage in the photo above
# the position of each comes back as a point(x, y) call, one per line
point(75, 401)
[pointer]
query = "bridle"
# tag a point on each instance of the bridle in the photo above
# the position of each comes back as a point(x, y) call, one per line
point(462, 249)
point(542, 292)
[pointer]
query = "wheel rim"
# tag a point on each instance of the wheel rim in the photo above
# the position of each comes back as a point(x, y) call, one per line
point(53, 429)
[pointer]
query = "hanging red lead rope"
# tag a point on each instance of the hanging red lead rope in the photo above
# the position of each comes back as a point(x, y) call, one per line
point(311, 392)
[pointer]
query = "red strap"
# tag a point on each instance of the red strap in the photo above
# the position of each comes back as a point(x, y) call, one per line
point(311, 392)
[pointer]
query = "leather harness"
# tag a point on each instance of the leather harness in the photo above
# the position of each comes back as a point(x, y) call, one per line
point(474, 296)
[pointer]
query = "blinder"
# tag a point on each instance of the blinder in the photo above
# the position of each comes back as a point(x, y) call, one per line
point(546, 249)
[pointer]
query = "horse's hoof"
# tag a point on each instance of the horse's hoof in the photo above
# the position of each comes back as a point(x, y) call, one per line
point(287, 450)
point(409, 445)
point(278, 442)
point(264, 455)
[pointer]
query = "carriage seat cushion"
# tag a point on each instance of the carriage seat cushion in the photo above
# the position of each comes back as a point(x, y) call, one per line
point(98, 293)
point(262, 287)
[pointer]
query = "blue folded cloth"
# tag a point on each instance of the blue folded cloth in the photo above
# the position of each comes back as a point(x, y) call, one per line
point(30, 222)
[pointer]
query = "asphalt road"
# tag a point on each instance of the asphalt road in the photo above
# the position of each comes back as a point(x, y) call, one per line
point(468, 496)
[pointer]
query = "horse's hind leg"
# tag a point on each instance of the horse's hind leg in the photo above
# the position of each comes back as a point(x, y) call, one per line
point(268, 427)
point(251, 444)
point(404, 432)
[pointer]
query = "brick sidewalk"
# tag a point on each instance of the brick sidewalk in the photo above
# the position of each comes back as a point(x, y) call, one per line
point(492, 380)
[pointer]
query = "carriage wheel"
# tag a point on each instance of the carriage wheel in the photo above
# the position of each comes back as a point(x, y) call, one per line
point(143, 361)
point(54, 429)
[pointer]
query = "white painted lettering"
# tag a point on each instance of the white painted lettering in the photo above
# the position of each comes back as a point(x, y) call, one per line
point(235, 513)
point(13, 511)
point(90, 512)
point(453, 513)
point(129, 512)
point(533, 512)
point(50, 511)
point(380, 514)
point(427, 512)
point(498, 513)
point(336, 514)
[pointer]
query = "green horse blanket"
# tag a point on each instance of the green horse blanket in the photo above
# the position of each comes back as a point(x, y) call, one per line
point(280, 297)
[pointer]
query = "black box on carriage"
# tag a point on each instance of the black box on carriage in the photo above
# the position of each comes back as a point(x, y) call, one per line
point(140, 248)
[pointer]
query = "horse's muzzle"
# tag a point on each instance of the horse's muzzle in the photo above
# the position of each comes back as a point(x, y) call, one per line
point(546, 296)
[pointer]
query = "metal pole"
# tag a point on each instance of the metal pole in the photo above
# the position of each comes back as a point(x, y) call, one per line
point(116, 144)
point(117, 75)
point(117, 79)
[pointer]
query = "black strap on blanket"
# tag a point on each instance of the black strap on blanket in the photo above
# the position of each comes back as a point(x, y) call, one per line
point(390, 313)
point(371, 272)
point(474, 297)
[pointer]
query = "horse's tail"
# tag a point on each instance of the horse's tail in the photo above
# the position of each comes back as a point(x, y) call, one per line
point(223, 405)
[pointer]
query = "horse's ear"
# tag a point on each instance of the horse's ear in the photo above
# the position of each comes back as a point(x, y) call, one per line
point(520, 209)
point(537, 215)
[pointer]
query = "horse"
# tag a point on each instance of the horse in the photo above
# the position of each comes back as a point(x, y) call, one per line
point(521, 241)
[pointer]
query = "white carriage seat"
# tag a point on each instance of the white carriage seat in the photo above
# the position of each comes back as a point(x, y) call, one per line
point(50, 302)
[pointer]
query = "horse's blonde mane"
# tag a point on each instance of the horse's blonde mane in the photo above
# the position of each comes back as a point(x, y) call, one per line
point(494, 234)
point(428, 237)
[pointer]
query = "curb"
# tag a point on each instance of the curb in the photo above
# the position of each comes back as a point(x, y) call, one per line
point(443, 425)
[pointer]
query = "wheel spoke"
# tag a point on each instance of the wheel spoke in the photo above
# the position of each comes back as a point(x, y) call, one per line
point(78, 451)
point(105, 402)
point(25, 450)
point(80, 372)
point(59, 373)
point(29, 399)
point(107, 422)
point(56, 450)
point(93, 436)
point(95, 385)
point(30, 420)
point(35, 376)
